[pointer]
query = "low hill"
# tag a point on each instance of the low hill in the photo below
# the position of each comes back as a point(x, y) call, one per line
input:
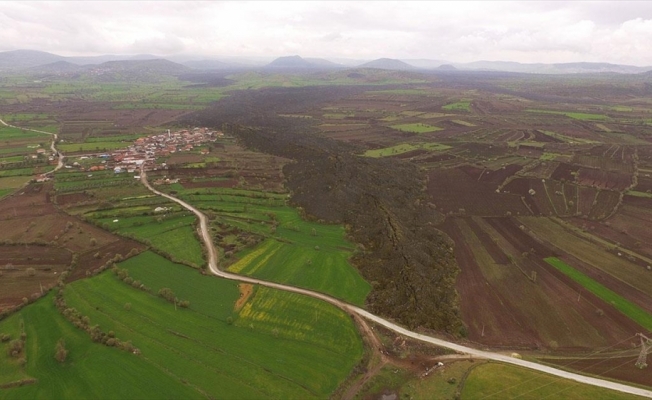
point(20, 59)
point(446, 67)
point(387, 63)
point(290, 62)
point(144, 70)
point(559, 68)
point(210, 64)
point(58, 67)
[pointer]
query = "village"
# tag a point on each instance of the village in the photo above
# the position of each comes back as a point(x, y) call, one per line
point(145, 152)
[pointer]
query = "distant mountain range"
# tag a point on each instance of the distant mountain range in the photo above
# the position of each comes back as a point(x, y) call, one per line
point(39, 62)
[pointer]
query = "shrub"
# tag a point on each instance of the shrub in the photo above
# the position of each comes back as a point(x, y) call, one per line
point(15, 348)
point(60, 352)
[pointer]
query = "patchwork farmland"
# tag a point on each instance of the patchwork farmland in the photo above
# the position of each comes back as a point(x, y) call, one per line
point(508, 218)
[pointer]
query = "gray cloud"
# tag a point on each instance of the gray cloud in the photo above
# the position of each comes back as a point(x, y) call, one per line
point(528, 31)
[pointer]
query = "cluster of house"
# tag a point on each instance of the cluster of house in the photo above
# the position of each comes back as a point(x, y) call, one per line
point(145, 150)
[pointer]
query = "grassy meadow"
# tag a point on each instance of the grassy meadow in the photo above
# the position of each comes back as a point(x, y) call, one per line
point(212, 347)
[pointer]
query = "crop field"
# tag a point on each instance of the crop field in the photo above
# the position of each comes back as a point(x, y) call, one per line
point(75, 181)
point(43, 238)
point(258, 348)
point(172, 233)
point(90, 146)
point(458, 106)
point(26, 269)
point(500, 381)
point(13, 182)
point(294, 251)
point(574, 115)
point(416, 128)
point(258, 234)
point(326, 269)
point(405, 148)
point(628, 279)
point(526, 304)
point(631, 310)
point(84, 372)
point(456, 191)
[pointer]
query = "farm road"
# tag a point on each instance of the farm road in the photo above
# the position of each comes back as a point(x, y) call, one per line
point(52, 147)
point(212, 264)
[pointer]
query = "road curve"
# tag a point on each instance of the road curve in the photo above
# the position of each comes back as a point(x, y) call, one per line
point(351, 309)
point(52, 147)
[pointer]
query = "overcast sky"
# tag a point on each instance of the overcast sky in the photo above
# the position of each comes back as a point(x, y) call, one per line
point(526, 31)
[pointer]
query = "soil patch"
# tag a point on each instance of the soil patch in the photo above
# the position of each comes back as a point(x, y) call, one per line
point(246, 290)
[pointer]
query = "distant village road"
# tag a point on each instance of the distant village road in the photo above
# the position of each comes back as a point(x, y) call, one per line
point(52, 145)
point(212, 264)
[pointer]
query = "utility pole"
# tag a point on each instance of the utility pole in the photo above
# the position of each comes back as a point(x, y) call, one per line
point(646, 343)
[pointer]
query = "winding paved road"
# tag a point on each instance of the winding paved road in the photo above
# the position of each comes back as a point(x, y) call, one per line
point(212, 264)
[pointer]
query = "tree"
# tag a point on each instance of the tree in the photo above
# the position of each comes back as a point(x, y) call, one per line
point(167, 294)
point(60, 352)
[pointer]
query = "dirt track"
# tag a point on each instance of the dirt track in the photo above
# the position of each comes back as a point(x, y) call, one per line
point(54, 140)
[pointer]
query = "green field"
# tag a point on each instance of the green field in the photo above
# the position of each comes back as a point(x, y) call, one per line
point(4, 192)
point(463, 123)
point(416, 128)
point(574, 115)
point(292, 250)
point(422, 92)
point(172, 233)
point(634, 312)
point(13, 182)
point(638, 194)
point(404, 148)
point(299, 264)
point(92, 146)
point(7, 133)
point(458, 106)
point(215, 349)
point(90, 370)
point(501, 381)
point(301, 253)
point(71, 180)
point(163, 106)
